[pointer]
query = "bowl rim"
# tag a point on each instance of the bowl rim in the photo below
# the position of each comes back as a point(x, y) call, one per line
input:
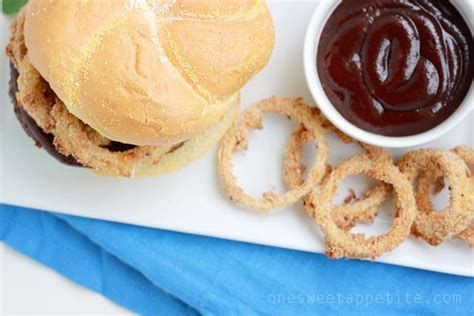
point(311, 43)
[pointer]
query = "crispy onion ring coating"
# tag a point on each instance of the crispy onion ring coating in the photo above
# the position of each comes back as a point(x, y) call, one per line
point(467, 154)
point(435, 227)
point(342, 243)
point(423, 188)
point(346, 216)
point(236, 139)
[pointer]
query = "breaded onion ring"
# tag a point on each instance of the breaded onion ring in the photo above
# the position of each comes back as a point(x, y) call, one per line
point(237, 139)
point(423, 187)
point(467, 154)
point(434, 227)
point(346, 216)
point(424, 203)
point(342, 243)
point(467, 236)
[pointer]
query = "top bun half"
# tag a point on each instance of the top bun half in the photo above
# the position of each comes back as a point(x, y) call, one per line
point(148, 72)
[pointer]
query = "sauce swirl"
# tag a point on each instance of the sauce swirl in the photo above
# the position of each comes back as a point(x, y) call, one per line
point(396, 67)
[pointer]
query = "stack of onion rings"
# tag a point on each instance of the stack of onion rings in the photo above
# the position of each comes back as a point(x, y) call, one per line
point(414, 211)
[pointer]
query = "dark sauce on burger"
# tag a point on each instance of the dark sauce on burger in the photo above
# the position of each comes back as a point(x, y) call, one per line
point(396, 67)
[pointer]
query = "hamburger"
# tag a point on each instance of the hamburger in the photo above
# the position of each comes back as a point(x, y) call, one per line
point(133, 87)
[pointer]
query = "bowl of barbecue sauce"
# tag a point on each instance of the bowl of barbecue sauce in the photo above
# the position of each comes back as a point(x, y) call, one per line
point(392, 73)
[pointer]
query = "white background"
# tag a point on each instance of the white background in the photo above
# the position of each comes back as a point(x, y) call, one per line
point(26, 287)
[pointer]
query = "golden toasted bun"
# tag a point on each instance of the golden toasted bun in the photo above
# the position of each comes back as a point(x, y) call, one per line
point(148, 72)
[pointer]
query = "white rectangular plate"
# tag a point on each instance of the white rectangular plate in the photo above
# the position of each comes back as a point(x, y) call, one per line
point(191, 200)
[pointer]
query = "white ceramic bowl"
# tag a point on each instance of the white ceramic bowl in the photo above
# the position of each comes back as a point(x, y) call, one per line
point(315, 27)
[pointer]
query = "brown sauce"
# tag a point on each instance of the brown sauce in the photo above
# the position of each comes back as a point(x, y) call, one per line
point(396, 67)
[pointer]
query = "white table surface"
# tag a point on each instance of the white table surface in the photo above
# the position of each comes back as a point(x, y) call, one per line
point(27, 287)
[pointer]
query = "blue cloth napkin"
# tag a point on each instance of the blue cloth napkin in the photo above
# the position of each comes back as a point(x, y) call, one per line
point(153, 271)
